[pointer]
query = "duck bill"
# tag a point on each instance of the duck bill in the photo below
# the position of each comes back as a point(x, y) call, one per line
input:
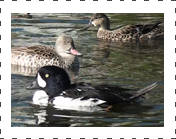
point(88, 26)
point(74, 52)
point(32, 86)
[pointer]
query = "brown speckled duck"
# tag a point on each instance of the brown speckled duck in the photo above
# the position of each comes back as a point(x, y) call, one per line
point(28, 15)
point(125, 33)
point(64, 54)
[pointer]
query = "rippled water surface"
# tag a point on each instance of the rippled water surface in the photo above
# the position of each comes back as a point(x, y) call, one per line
point(130, 65)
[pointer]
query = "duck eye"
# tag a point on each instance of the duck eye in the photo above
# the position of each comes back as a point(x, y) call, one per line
point(46, 75)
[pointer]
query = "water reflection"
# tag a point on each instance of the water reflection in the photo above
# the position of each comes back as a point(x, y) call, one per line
point(119, 115)
point(50, 116)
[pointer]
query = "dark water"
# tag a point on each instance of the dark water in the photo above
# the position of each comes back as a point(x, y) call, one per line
point(128, 65)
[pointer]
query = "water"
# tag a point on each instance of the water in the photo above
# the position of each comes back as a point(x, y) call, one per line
point(128, 65)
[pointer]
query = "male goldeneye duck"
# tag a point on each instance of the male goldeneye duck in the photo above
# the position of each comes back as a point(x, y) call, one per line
point(55, 87)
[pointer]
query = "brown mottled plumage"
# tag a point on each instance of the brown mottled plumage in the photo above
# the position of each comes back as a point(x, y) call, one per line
point(28, 15)
point(63, 55)
point(125, 33)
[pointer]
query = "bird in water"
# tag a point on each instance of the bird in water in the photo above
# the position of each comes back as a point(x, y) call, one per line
point(64, 54)
point(54, 87)
point(125, 33)
point(28, 15)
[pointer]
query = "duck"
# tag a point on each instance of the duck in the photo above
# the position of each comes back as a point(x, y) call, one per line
point(28, 15)
point(64, 54)
point(125, 33)
point(54, 87)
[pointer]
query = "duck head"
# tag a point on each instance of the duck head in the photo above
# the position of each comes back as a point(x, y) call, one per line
point(65, 45)
point(100, 20)
point(51, 79)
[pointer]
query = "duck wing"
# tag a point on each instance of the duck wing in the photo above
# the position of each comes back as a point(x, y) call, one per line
point(131, 32)
point(35, 56)
point(114, 94)
point(108, 93)
point(81, 90)
point(146, 28)
point(40, 50)
point(139, 28)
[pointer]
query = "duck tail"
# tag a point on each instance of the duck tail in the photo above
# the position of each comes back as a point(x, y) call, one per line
point(155, 25)
point(143, 91)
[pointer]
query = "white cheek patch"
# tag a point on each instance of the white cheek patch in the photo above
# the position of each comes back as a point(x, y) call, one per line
point(93, 23)
point(40, 81)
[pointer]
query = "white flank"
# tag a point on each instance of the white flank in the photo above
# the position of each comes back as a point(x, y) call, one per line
point(40, 81)
point(76, 104)
point(69, 102)
point(41, 98)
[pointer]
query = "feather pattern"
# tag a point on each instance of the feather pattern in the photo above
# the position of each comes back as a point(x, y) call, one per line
point(38, 56)
point(125, 33)
point(58, 87)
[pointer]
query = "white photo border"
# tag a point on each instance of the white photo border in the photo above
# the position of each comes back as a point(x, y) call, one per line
point(127, 6)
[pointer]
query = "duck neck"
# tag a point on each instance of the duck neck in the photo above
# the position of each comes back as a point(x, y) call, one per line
point(105, 25)
point(103, 28)
point(68, 58)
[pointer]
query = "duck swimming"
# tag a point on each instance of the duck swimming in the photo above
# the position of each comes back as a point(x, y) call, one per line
point(64, 54)
point(28, 15)
point(125, 33)
point(54, 86)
